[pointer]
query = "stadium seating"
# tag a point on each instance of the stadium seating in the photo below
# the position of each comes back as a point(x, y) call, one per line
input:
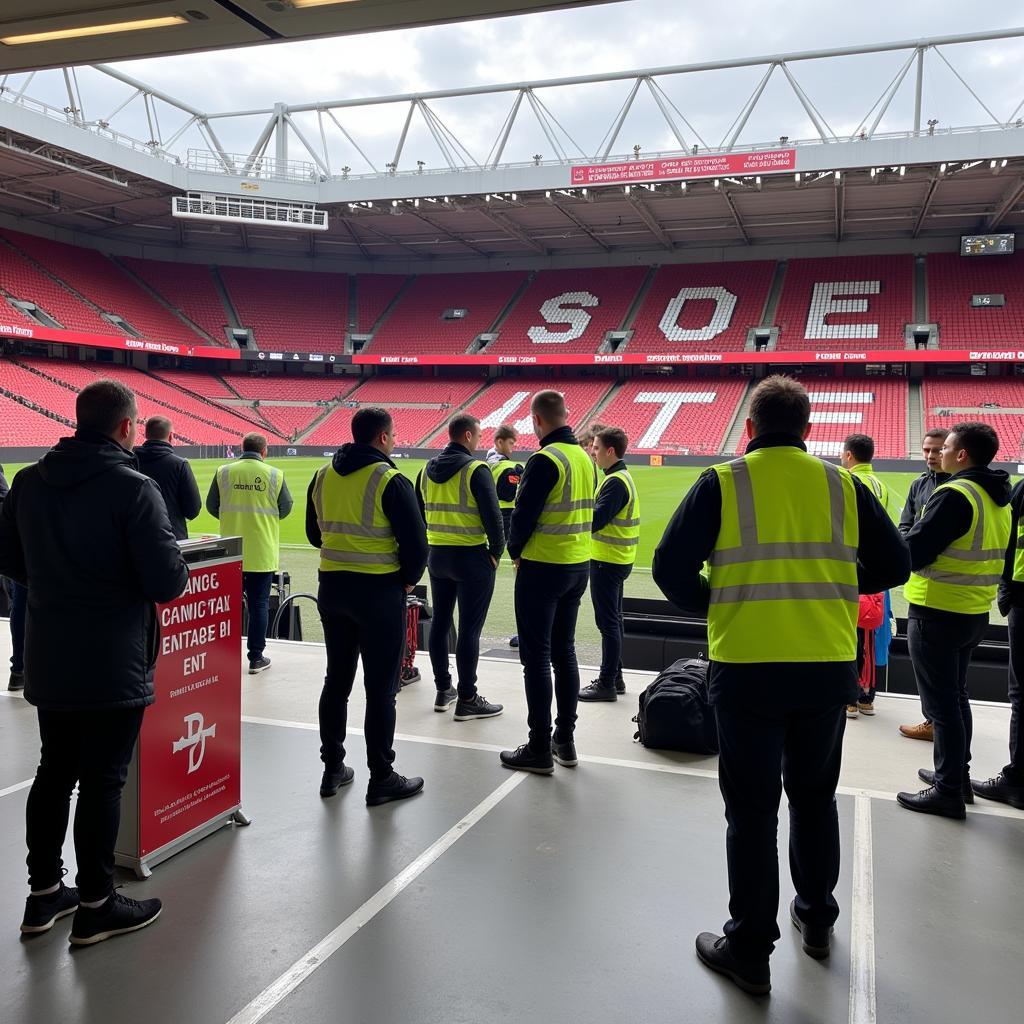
point(965, 398)
point(45, 392)
point(880, 287)
point(24, 427)
point(953, 279)
point(416, 324)
point(101, 281)
point(291, 389)
point(374, 293)
point(687, 417)
point(206, 385)
point(568, 310)
point(290, 310)
point(660, 324)
point(289, 420)
point(188, 287)
point(391, 391)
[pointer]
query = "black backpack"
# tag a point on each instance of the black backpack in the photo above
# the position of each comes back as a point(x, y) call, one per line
point(674, 710)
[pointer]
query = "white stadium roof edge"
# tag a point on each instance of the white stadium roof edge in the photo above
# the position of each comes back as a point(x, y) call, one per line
point(75, 174)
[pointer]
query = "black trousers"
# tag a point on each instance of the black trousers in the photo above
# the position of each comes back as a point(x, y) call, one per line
point(363, 616)
point(940, 651)
point(94, 749)
point(547, 599)
point(765, 746)
point(1014, 771)
point(607, 581)
point(463, 576)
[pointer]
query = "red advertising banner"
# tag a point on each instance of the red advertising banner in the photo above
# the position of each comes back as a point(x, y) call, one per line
point(765, 161)
point(190, 748)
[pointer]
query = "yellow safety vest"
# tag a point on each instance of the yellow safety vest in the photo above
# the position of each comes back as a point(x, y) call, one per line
point(618, 541)
point(562, 533)
point(783, 571)
point(1018, 554)
point(965, 577)
point(453, 516)
point(249, 490)
point(497, 468)
point(864, 473)
point(355, 535)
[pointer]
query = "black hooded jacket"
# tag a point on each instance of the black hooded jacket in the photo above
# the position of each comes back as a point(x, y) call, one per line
point(89, 535)
point(173, 475)
point(397, 502)
point(1011, 592)
point(442, 468)
point(917, 497)
point(946, 517)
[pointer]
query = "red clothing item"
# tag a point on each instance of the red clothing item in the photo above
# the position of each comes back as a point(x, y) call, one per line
point(869, 618)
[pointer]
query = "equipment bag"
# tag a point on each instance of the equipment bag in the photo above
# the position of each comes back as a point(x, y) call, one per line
point(412, 622)
point(674, 710)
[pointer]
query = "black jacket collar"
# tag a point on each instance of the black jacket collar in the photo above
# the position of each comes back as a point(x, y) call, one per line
point(775, 441)
point(560, 435)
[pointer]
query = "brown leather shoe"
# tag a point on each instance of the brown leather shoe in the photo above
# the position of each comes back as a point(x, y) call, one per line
point(924, 731)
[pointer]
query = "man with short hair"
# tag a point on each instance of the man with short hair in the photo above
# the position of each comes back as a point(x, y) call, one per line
point(957, 551)
point(917, 497)
point(549, 543)
point(458, 500)
point(587, 435)
point(171, 473)
point(250, 499)
point(361, 513)
point(616, 536)
point(507, 475)
point(789, 541)
point(89, 536)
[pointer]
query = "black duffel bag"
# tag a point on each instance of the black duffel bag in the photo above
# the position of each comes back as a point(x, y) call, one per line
point(674, 710)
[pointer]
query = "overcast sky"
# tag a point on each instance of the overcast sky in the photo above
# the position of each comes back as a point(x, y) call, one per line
point(590, 40)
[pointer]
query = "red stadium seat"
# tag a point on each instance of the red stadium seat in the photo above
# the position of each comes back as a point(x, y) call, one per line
point(952, 400)
point(188, 287)
point(953, 279)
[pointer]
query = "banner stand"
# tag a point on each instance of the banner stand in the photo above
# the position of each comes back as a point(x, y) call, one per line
point(184, 780)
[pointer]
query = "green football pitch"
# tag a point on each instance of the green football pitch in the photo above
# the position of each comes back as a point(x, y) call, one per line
point(661, 490)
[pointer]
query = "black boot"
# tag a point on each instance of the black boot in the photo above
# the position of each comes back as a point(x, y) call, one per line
point(598, 691)
point(931, 801)
point(817, 941)
point(927, 775)
point(713, 951)
point(524, 759)
point(394, 787)
point(1002, 789)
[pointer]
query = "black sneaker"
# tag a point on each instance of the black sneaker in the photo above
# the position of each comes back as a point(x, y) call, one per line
point(931, 801)
point(564, 754)
point(257, 665)
point(713, 951)
point(620, 685)
point(1002, 789)
point(513, 641)
point(17, 681)
point(466, 710)
point(333, 781)
point(444, 698)
point(597, 691)
point(41, 912)
point(928, 776)
point(410, 675)
point(817, 941)
point(394, 787)
point(118, 916)
point(524, 759)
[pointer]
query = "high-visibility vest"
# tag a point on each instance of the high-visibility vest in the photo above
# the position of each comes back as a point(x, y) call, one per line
point(453, 516)
point(618, 541)
point(965, 577)
point(355, 535)
point(783, 571)
point(249, 490)
point(863, 472)
point(562, 533)
point(1018, 554)
point(497, 469)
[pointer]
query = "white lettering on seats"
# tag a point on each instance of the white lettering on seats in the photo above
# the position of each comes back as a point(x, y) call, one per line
point(505, 410)
point(824, 303)
point(671, 402)
point(562, 310)
point(721, 316)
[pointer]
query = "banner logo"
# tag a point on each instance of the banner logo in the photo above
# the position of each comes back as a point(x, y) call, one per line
point(194, 740)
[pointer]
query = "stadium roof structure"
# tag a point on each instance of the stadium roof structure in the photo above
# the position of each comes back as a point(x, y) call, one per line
point(77, 174)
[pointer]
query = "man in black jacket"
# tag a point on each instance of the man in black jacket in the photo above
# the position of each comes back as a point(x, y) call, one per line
point(171, 473)
point(89, 535)
point(18, 598)
point(917, 497)
point(457, 497)
point(780, 722)
point(366, 569)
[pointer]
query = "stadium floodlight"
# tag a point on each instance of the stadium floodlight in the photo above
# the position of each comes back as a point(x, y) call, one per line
point(227, 209)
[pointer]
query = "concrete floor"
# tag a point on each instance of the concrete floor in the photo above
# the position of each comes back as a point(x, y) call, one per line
point(505, 898)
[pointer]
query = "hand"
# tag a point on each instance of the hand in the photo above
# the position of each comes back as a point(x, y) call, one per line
point(515, 562)
point(409, 588)
point(1003, 600)
point(494, 561)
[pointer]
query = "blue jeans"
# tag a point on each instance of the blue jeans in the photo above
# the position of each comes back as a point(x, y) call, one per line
point(19, 604)
point(257, 597)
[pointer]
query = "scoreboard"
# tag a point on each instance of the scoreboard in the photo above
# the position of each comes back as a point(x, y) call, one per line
point(986, 245)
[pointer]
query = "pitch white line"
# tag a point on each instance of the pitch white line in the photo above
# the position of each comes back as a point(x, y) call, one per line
point(862, 925)
point(16, 787)
point(272, 995)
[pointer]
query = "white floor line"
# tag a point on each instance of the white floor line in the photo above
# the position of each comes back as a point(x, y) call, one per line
point(272, 995)
point(862, 923)
point(17, 787)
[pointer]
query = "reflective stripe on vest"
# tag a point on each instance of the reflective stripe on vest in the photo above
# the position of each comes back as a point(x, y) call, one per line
point(562, 533)
point(453, 517)
point(783, 572)
point(618, 541)
point(497, 468)
point(964, 578)
point(249, 490)
point(358, 536)
point(863, 472)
